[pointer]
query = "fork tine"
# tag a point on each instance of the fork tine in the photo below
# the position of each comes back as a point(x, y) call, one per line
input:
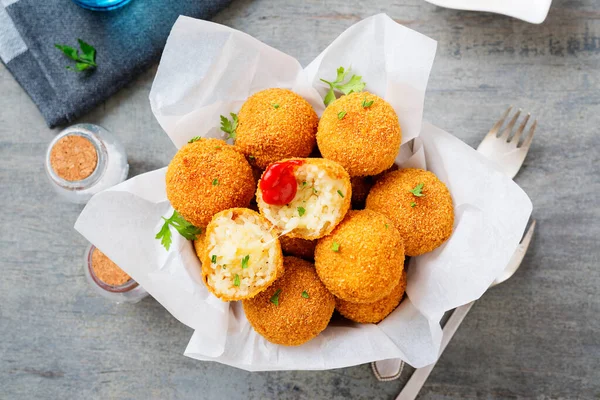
point(499, 124)
point(510, 125)
point(515, 138)
point(529, 138)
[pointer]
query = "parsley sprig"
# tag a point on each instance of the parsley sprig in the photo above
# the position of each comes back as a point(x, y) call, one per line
point(184, 228)
point(305, 294)
point(229, 125)
point(417, 191)
point(84, 61)
point(355, 84)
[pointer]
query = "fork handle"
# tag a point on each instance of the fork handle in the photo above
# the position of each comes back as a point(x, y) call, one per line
point(419, 377)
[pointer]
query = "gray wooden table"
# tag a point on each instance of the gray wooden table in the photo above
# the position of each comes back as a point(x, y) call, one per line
point(535, 336)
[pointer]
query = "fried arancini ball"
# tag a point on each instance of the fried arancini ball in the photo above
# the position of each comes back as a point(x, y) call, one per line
point(241, 255)
point(362, 259)
point(298, 247)
point(294, 309)
point(199, 243)
point(372, 313)
point(208, 176)
point(425, 221)
point(274, 124)
point(323, 194)
point(365, 140)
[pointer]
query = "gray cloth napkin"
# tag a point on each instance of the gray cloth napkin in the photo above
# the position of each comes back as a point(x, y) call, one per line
point(128, 40)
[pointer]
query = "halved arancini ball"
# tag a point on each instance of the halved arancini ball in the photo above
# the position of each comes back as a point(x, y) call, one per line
point(361, 132)
point(362, 259)
point(274, 124)
point(294, 309)
point(241, 255)
point(208, 176)
point(372, 313)
point(298, 247)
point(319, 194)
point(420, 206)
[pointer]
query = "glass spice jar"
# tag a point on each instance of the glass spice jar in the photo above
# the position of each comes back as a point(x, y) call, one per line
point(108, 280)
point(85, 159)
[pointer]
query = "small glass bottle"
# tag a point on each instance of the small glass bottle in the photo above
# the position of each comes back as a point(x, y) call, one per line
point(102, 151)
point(127, 292)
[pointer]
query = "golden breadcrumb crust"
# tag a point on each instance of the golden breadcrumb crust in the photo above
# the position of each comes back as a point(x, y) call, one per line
point(366, 140)
point(296, 319)
point(368, 262)
point(298, 247)
point(205, 256)
point(274, 124)
point(199, 243)
point(333, 170)
point(372, 313)
point(427, 224)
point(206, 177)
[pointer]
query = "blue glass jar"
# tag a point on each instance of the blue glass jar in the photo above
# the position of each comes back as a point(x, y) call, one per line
point(101, 5)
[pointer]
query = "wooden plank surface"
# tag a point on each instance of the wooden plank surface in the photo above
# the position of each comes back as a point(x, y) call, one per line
point(535, 336)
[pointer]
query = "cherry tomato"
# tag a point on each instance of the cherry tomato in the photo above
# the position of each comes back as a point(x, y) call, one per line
point(278, 184)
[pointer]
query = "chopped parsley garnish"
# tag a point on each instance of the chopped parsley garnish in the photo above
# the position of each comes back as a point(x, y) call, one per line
point(229, 126)
point(245, 261)
point(355, 84)
point(303, 183)
point(215, 182)
point(275, 105)
point(340, 193)
point(213, 259)
point(236, 280)
point(251, 157)
point(341, 114)
point(417, 191)
point(305, 294)
point(386, 226)
point(367, 104)
point(84, 61)
point(314, 190)
point(301, 211)
point(194, 139)
point(217, 147)
point(335, 246)
point(184, 228)
point(275, 297)
point(413, 204)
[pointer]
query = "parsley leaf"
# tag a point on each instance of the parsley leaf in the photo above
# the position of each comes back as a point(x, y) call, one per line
point(413, 204)
point(275, 105)
point(84, 61)
point(215, 182)
point(236, 280)
point(229, 126)
point(245, 261)
point(417, 191)
point(305, 294)
point(335, 246)
point(341, 114)
point(213, 259)
point(355, 84)
point(194, 139)
point(367, 104)
point(386, 226)
point(340, 193)
point(301, 211)
point(275, 297)
point(185, 229)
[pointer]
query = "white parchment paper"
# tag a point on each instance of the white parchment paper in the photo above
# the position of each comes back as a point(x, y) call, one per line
point(208, 70)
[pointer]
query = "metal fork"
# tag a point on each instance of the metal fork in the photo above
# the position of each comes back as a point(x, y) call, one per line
point(504, 149)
